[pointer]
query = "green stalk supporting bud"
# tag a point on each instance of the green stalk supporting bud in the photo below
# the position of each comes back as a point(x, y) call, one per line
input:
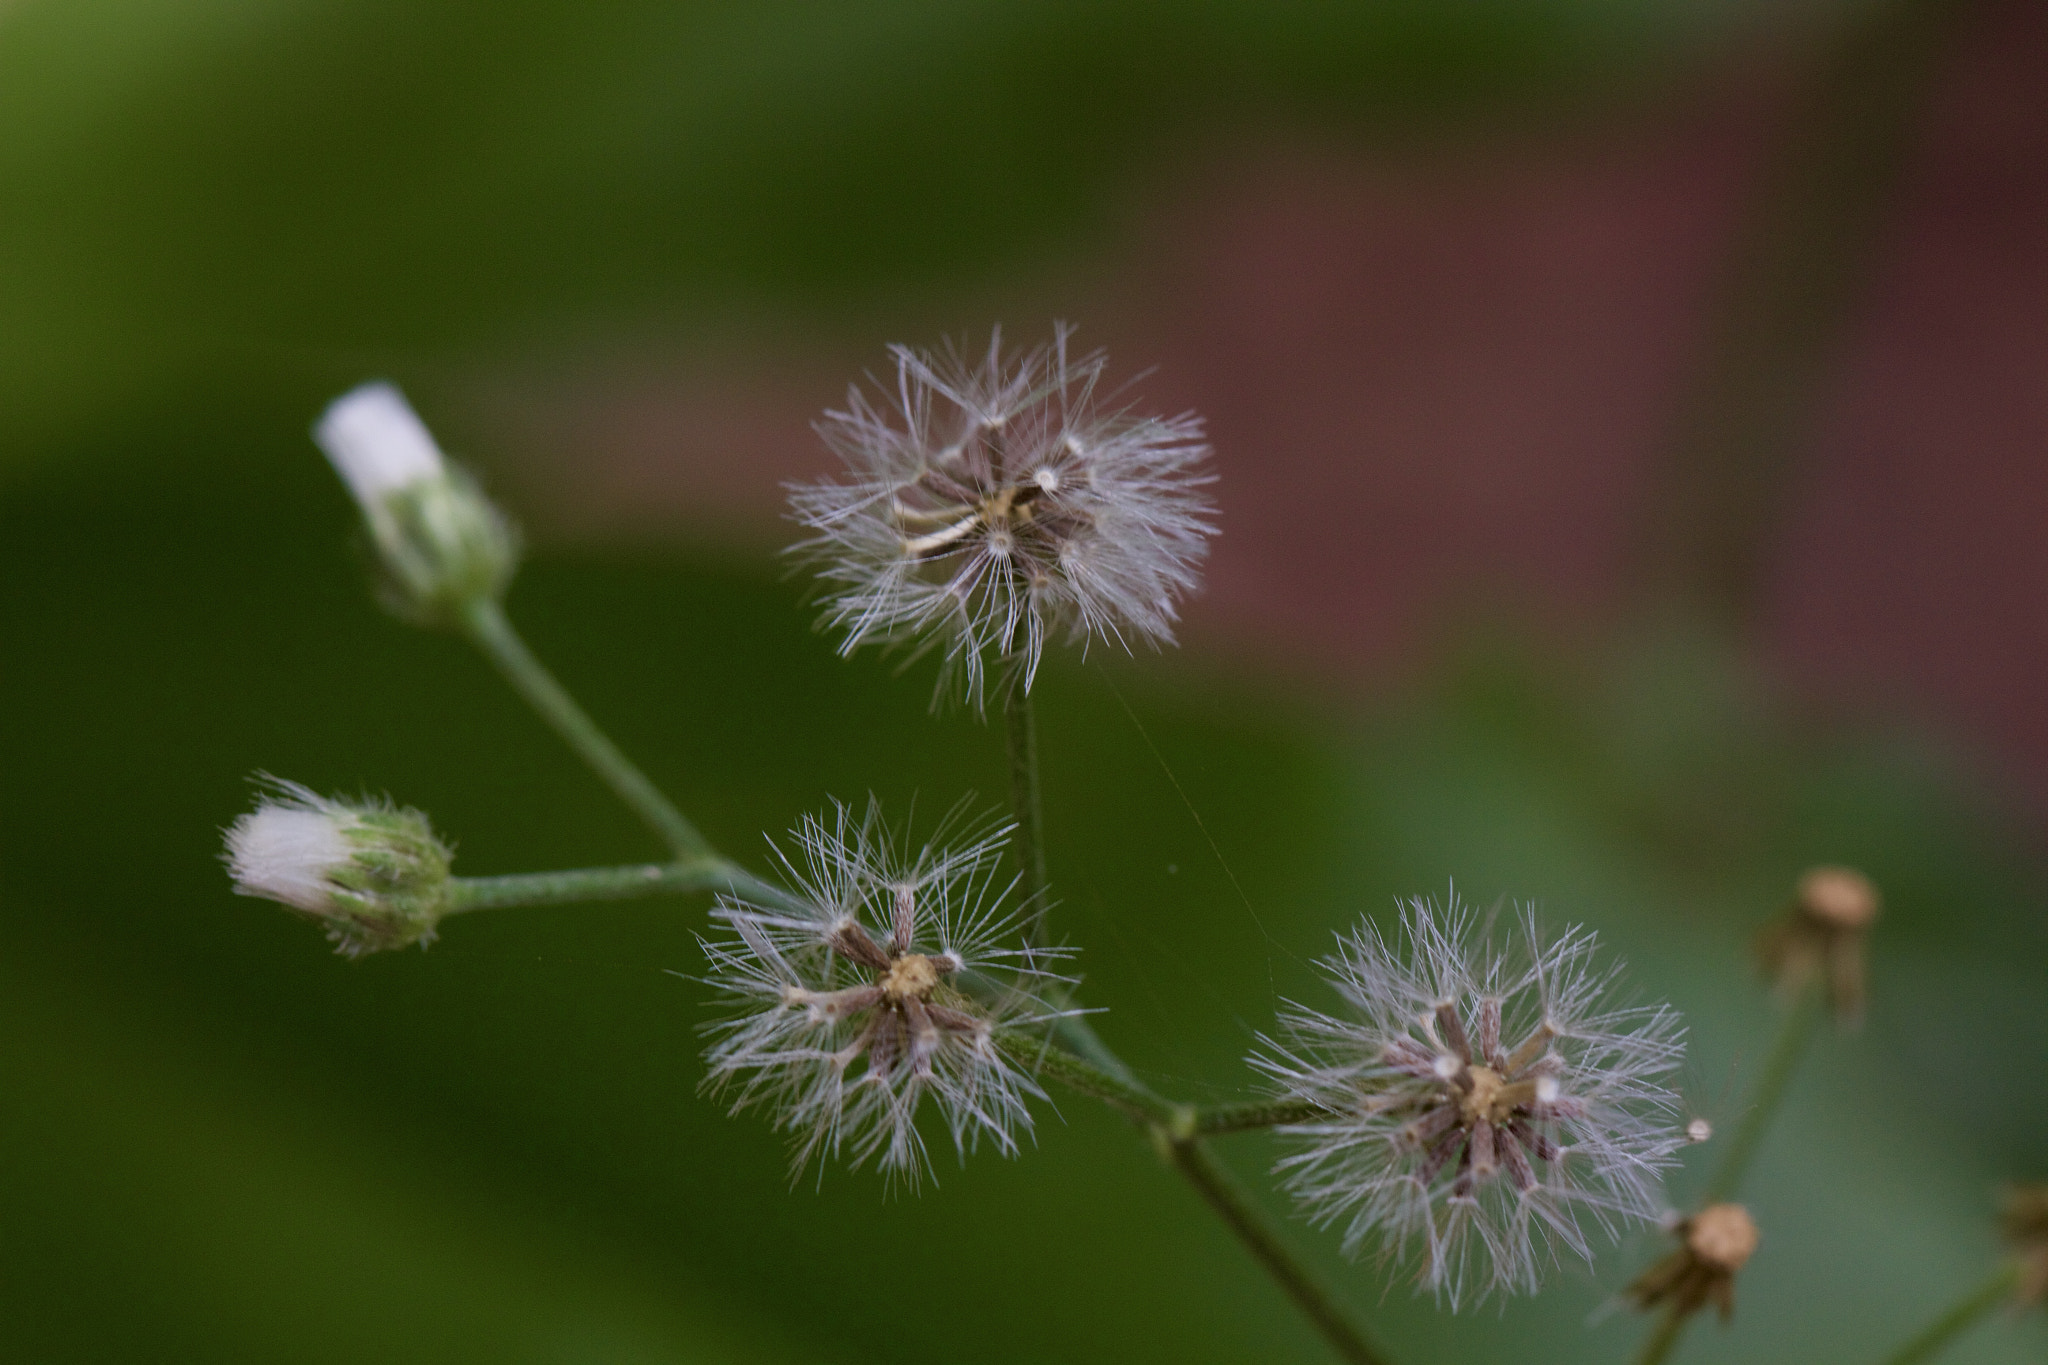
point(372, 874)
point(441, 544)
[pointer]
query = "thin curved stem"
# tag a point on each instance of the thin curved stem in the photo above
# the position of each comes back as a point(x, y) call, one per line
point(577, 885)
point(1216, 1185)
point(1027, 806)
point(1177, 1130)
point(1027, 803)
point(1220, 1119)
point(1793, 1035)
point(1663, 1339)
point(486, 624)
point(1181, 1122)
point(1958, 1318)
point(1135, 1101)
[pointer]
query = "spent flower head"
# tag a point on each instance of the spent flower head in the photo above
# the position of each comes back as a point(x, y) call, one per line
point(2024, 1216)
point(887, 977)
point(1821, 936)
point(1713, 1245)
point(1481, 1098)
point(372, 874)
point(993, 500)
point(442, 545)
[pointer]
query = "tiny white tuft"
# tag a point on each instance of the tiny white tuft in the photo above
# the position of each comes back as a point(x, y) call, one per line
point(377, 443)
point(289, 849)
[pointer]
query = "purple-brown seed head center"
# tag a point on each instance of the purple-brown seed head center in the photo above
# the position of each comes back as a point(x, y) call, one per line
point(1491, 1098)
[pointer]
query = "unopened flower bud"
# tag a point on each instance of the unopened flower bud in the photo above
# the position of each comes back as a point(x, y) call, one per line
point(1822, 935)
point(1713, 1245)
point(373, 875)
point(441, 543)
point(2026, 1232)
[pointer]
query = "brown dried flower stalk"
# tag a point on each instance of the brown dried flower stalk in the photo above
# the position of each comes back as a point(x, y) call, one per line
point(2024, 1213)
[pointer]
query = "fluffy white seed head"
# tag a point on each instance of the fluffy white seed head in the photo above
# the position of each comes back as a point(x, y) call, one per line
point(372, 875)
point(377, 443)
point(989, 501)
point(889, 978)
point(442, 545)
point(1485, 1099)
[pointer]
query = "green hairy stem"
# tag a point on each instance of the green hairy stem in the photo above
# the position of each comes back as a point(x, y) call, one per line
point(605, 884)
point(485, 623)
point(1177, 1130)
point(1026, 801)
point(1793, 1036)
point(1217, 1120)
point(1028, 842)
point(1137, 1102)
point(1958, 1318)
point(1216, 1185)
point(1664, 1338)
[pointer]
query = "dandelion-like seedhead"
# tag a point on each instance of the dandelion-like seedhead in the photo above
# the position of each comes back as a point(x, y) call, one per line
point(993, 501)
point(887, 979)
point(1482, 1101)
point(441, 544)
point(372, 874)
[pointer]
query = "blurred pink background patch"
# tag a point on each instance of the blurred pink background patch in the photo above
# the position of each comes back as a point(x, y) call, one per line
point(1445, 378)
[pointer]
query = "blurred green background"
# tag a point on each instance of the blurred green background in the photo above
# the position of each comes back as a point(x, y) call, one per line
point(220, 1143)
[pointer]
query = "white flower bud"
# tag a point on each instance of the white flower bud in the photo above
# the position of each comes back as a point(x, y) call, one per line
point(441, 543)
point(377, 442)
point(373, 875)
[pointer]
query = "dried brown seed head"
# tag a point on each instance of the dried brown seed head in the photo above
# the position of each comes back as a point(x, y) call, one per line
point(1839, 897)
point(1723, 1235)
point(1821, 937)
point(1713, 1245)
point(2025, 1218)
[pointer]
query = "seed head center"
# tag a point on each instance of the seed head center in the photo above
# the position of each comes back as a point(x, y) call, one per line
point(1010, 505)
point(1723, 1235)
point(910, 977)
point(1491, 1099)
